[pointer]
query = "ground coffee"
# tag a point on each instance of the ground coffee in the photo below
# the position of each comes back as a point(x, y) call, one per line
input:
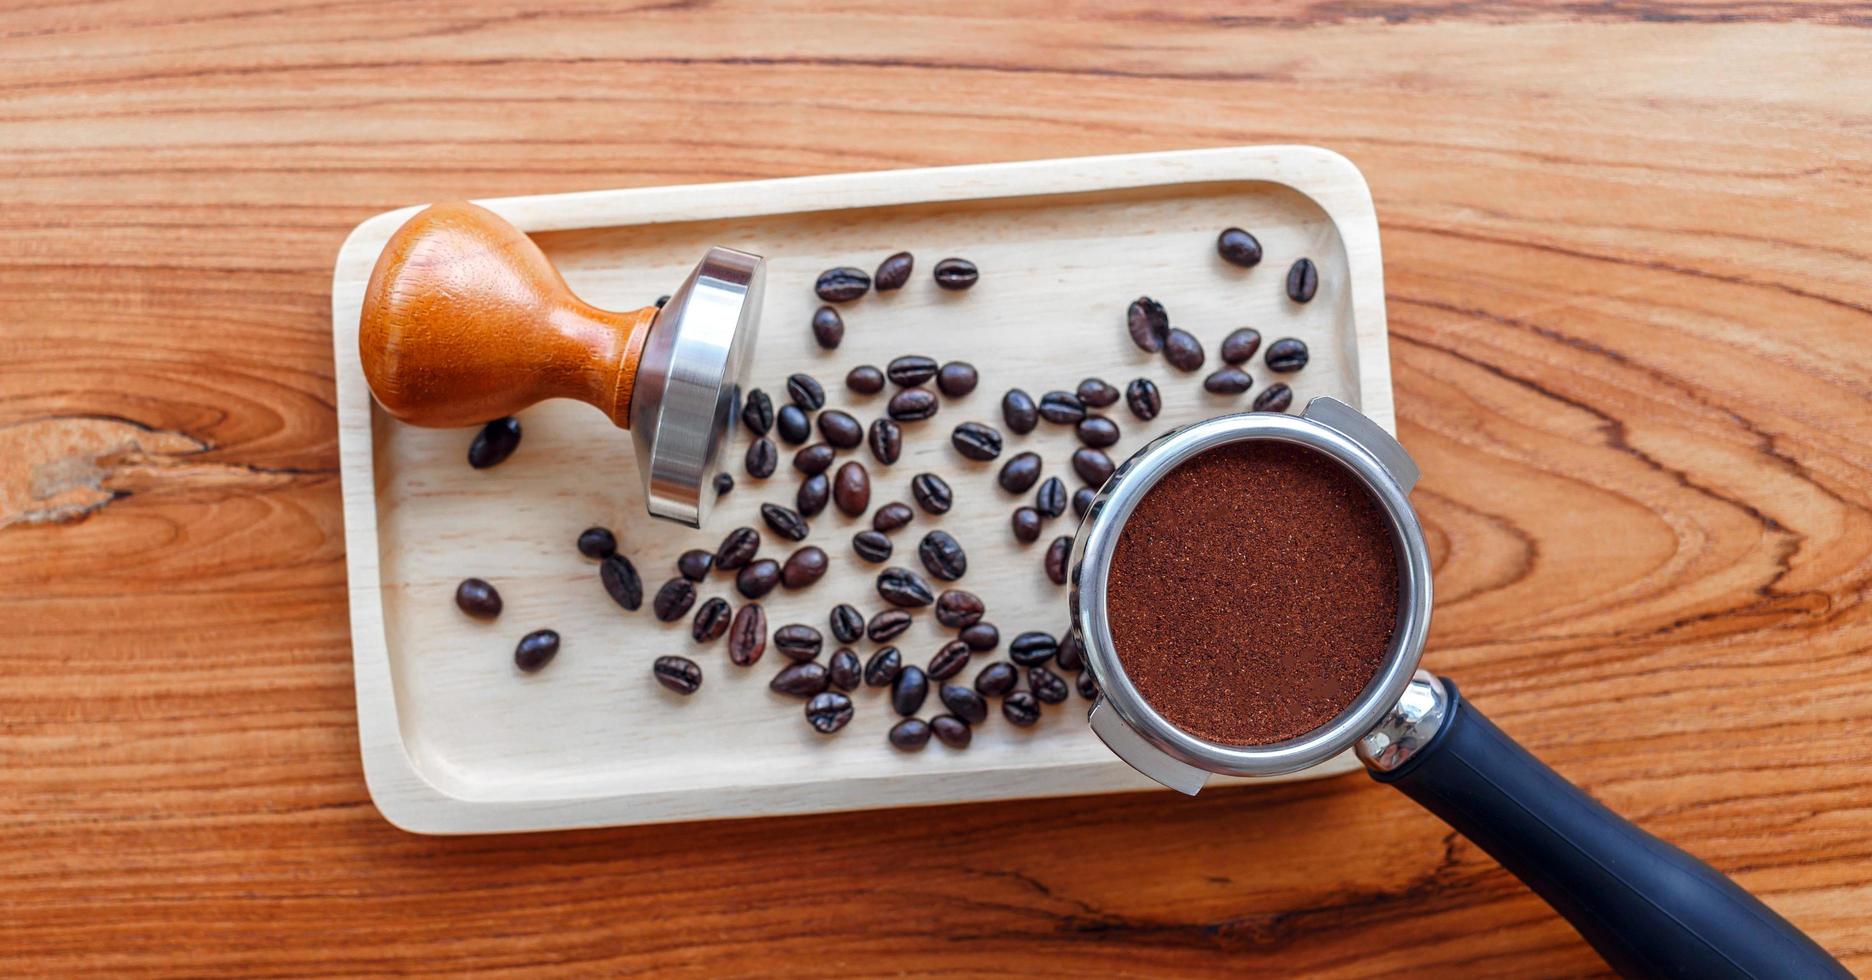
point(1253, 592)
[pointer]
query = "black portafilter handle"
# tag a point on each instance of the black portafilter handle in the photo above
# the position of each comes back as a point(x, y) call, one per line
point(1649, 908)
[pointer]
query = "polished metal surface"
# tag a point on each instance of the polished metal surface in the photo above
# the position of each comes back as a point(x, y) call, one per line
point(1365, 450)
point(1408, 726)
point(689, 378)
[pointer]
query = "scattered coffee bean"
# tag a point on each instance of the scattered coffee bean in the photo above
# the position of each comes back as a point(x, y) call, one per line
point(1148, 324)
point(872, 546)
point(1240, 345)
point(801, 680)
point(1096, 393)
point(1062, 408)
point(851, 490)
point(842, 285)
point(804, 567)
point(1237, 247)
point(495, 442)
point(1082, 500)
point(806, 391)
point(747, 635)
point(813, 493)
point(956, 273)
point(840, 429)
point(912, 405)
point(1302, 281)
point(882, 669)
point(1277, 398)
point(1183, 350)
point(798, 641)
point(762, 458)
point(711, 620)
point(1227, 381)
point(723, 483)
point(976, 441)
point(996, 679)
point(814, 459)
point(957, 378)
point(844, 671)
point(909, 690)
point(1026, 525)
point(1144, 399)
point(865, 379)
point(673, 600)
point(479, 599)
point(828, 328)
point(1032, 648)
point(1071, 653)
point(951, 731)
point(1088, 687)
point(957, 609)
point(792, 424)
point(737, 549)
point(942, 554)
point(1049, 687)
point(903, 587)
point(1050, 499)
point(1057, 555)
point(597, 542)
point(784, 522)
point(893, 272)
point(1019, 411)
point(1020, 472)
point(536, 650)
point(910, 370)
point(910, 735)
point(1092, 465)
point(757, 412)
point(661, 300)
point(621, 582)
point(963, 702)
point(886, 440)
point(1287, 355)
point(932, 493)
point(1020, 708)
point(758, 578)
point(888, 624)
point(847, 623)
point(949, 660)
point(694, 564)
point(891, 516)
point(980, 637)
point(679, 674)
point(1097, 431)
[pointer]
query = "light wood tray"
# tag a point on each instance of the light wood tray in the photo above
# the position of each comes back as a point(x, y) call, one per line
point(456, 741)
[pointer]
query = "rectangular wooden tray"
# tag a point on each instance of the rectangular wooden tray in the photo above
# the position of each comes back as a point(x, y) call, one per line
point(456, 741)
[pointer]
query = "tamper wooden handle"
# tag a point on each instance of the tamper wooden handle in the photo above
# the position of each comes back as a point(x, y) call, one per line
point(466, 320)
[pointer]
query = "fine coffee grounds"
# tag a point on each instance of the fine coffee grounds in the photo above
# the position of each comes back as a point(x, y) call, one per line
point(1253, 592)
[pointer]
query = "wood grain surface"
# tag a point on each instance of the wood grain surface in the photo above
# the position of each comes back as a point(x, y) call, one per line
point(1632, 333)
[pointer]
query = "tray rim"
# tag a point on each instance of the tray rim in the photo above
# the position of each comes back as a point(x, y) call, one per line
point(398, 788)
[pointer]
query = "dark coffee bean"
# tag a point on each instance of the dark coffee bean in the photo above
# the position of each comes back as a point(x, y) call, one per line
point(1183, 350)
point(801, 680)
point(931, 493)
point(737, 549)
point(1092, 465)
point(888, 624)
point(661, 300)
point(1237, 247)
point(1096, 393)
point(1148, 324)
point(886, 439)
point(865, 380)
point(910, 735)
point(844, 671)
point(851, 489)
point(892, 516)
point(842, 285)
point(1277, 398)
point(798, 641)
point(957, 378)
point(964, 703)
point(997, 679)
point(757, 412)
point(760, 577)
point(1097, 431)
point(949, 660)
point(806, 391)
point(872, 546)
point(673, 600)
point(1240, 345)
point(762, 458)
point(956, 273)
point(479, 599)
point(909, 689)
point(711, 620)
point(1057, 555)
point(1227, 381)
point(912, 405)
point(910, 370)
point(723, 483)
point(1062, 408)
point(784, 522)
point(1026, 524)
point(621, 582)
point(792, 425)
point(1082, 500)
point(1088, 687)
point(495, 442)
point(976, 441)
point(980, 637)
point(882, 669)
point(804, 567)
point(840, 429)
point(1020, 472)
point(1071, 654)
point(1019, 411)
point(679, 674)
point(903, 587)
point(893, 272)
point(695, 563)
point(536, 650)
point(942, 554)
point(1032, 648)
point(1020, 709)
point(1144, 399)
point(1050, 499)
point(597, 542)
point(828, 328)
point(1287, 355)
point(957, 609)
point(1302, 281)
point(813, 493)
point(747, 635)
point(847, 623)
point(1049, 687)
point(951, 731)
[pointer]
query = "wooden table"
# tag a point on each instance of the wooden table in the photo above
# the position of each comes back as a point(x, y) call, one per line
point(1628, 268)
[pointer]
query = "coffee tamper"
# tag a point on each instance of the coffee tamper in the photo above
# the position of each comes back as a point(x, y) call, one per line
point(465, 320)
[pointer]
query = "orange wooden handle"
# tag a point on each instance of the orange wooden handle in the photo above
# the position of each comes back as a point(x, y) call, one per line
point(466, 320)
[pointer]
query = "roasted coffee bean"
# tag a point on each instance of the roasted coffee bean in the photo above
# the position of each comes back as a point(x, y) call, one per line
point(597, 542)
point(711, 620)
point(976, 441)
point(912, 405)
point(1071, 653)
point(813, 493)
point(1092, 465)
point(1062, 408)
point(886, 439)
point(957, 609)
point(784, 522)
point(673, 600)
point(798, 641)
point(723, 484)
point(814, 459)
point(1148, 324)
point(1096, 393)
point(758, 578)
point(882, 669)
point(1277, 398)
point(956, 273)
point(828, 328)
point(842, 285)
point(661, 300)
point(479, 599)
point(910, 370)
point(621, 582)
point(804, 567)
point(679, 674)
point(1287, 355)
point(888, 624)
point(847, 623)
point(892, 516)
point(957, 378)
point(997, 679)
point(1144, 399)
point(1227, 381)
point(844, 671)
point(951, 731)
point(942, 554)
point(1020, 472)
point(1302, 281)
point(792, 425)
point(893, 272)
point(909, 690)
point(1020, 709)
point(1088, 687)
point(762, 458)
point(949, 660)
point(806, 391)
point(1019, 411)
point(695, 563)
point(840, 429)
point(865, 379)
point(737, 549)
point(1098, 431)
point(1057, 555)
point(851, 489)
point(1032, 648)
point(1237, 247)
point(495, 442)
point(1240, 345)
point(801, 680)
point(963, 702)
point(1082, 500)
point(932, 493)
point(1050, 499)
point(1183, 350)
point(757, 412)
point(903, 587)
point(872, 546)
point(910, 735)
point(1026, 525)
point(536, 650)
point(980, 637)
point(1049, 687)
point(747, 635)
